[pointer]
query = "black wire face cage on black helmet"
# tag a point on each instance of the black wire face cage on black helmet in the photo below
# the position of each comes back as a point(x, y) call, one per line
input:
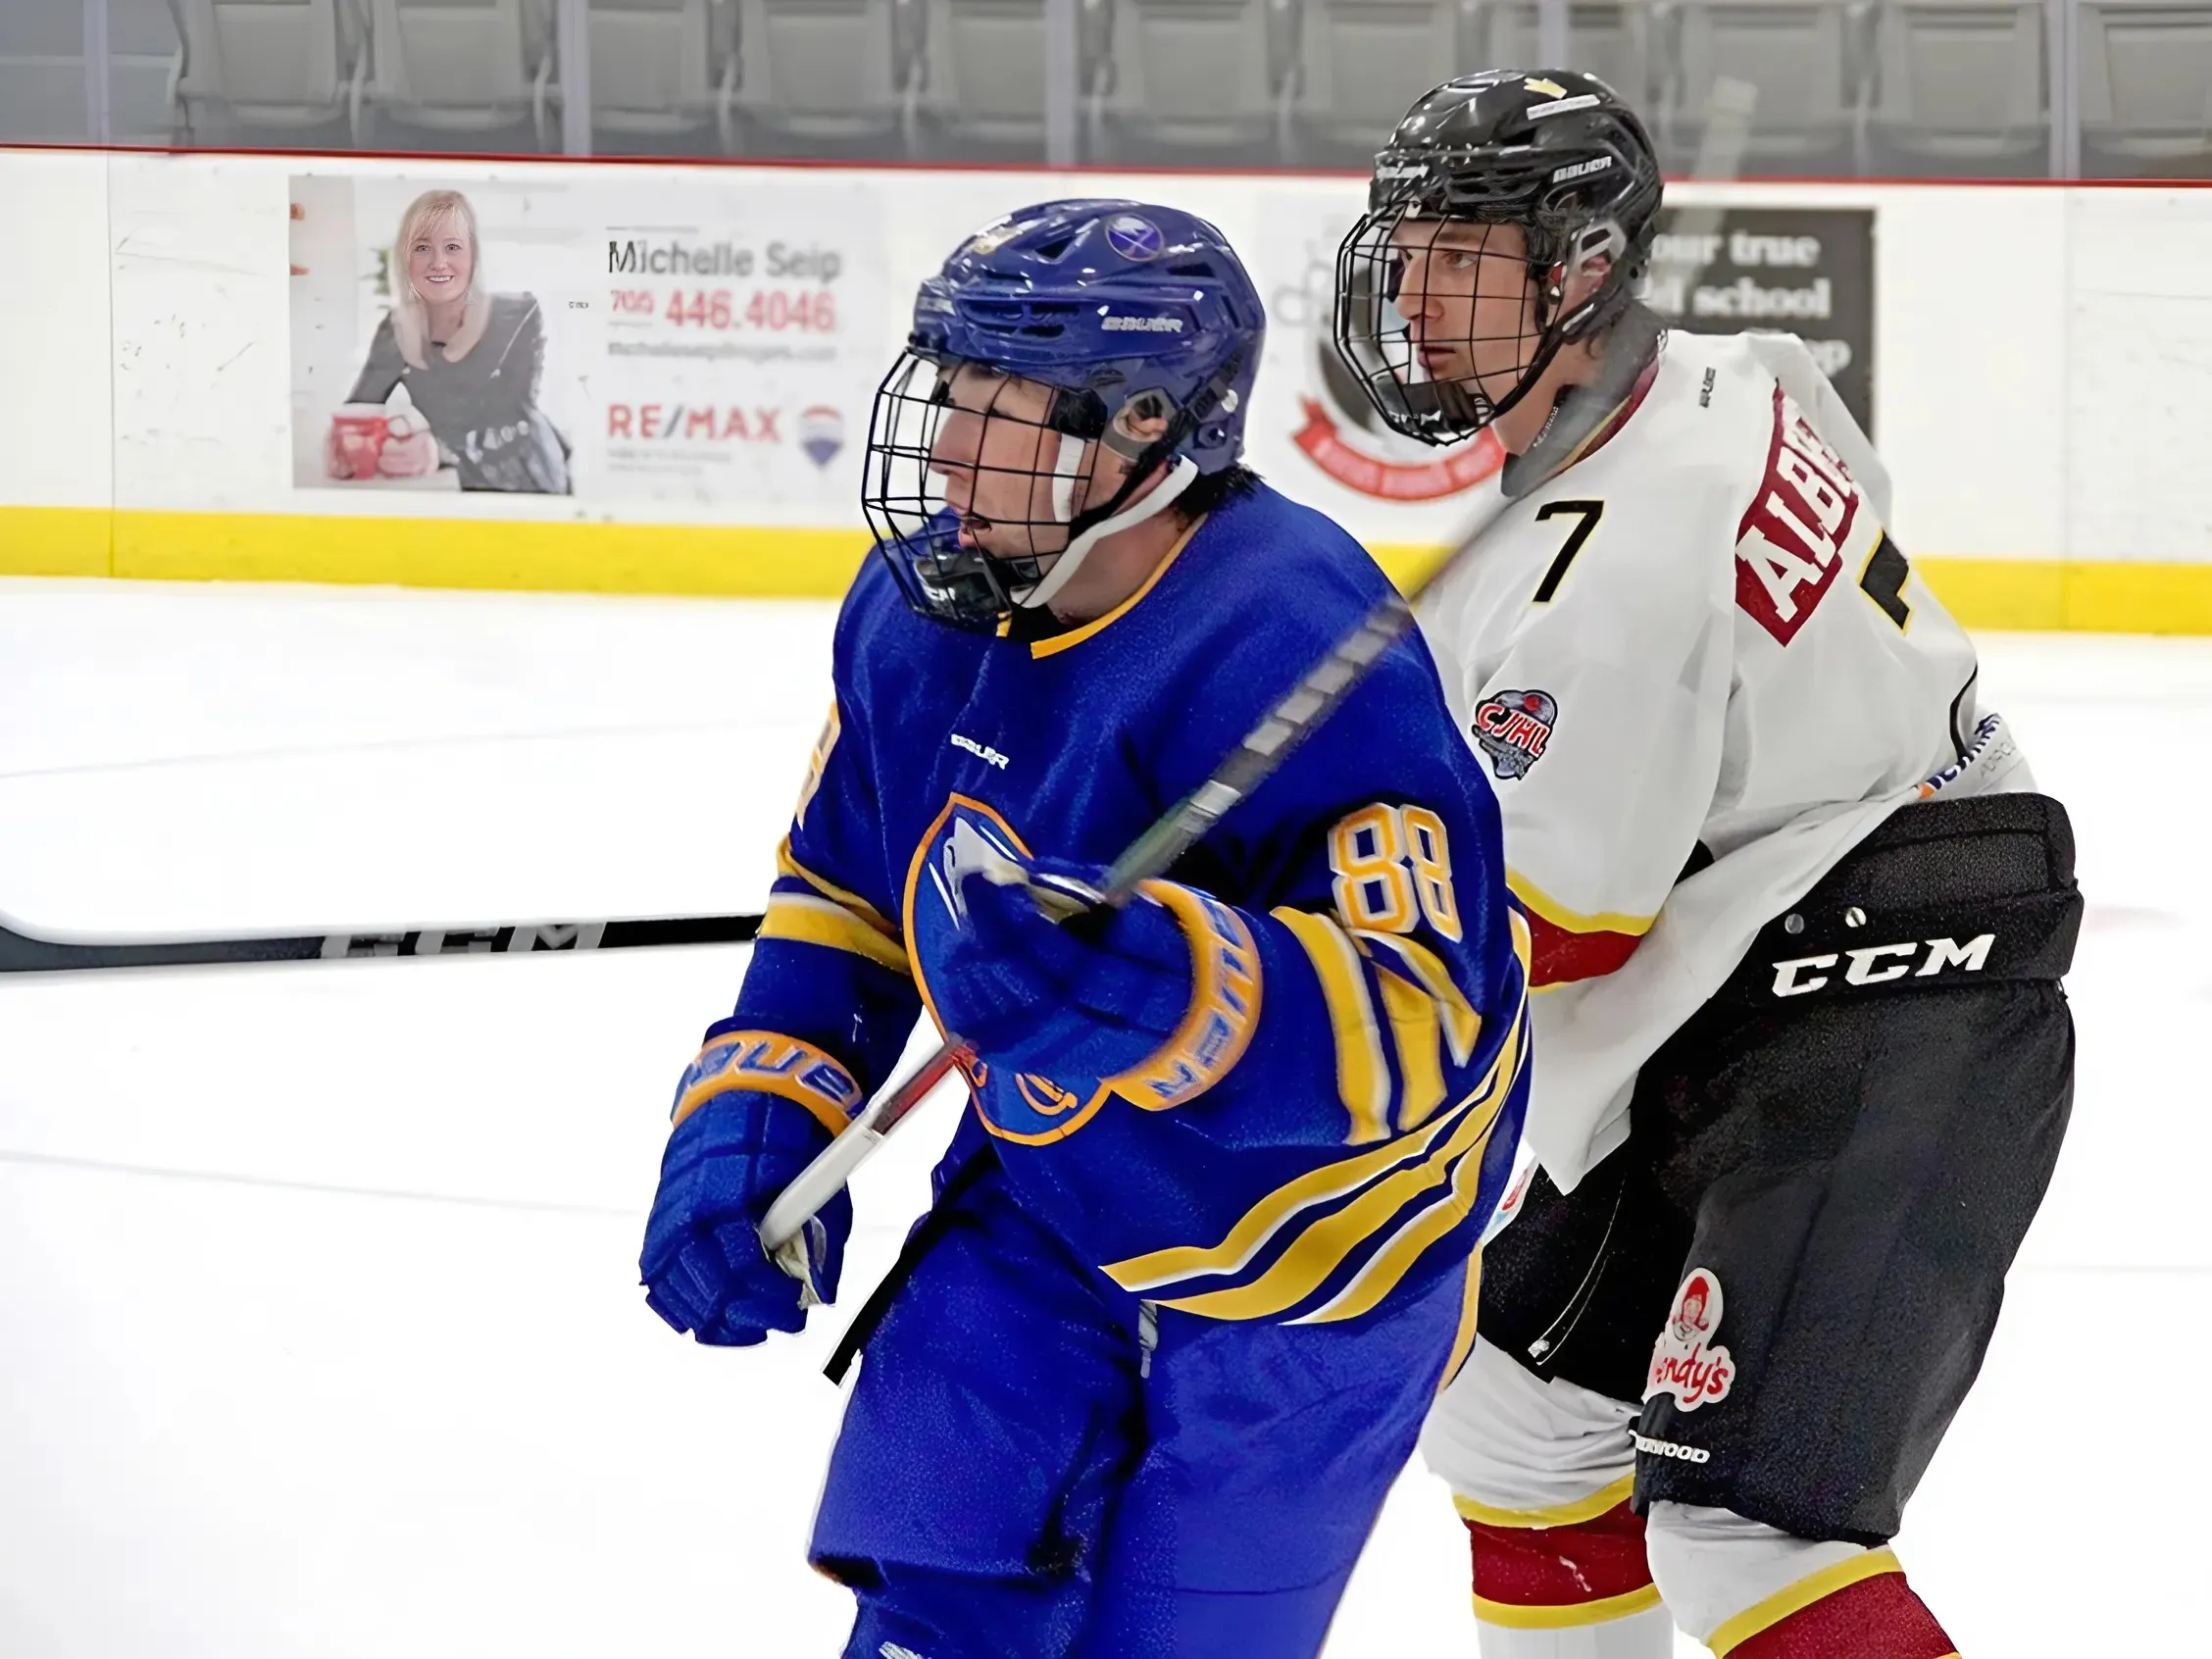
point(996, 515)
point(1447, 325)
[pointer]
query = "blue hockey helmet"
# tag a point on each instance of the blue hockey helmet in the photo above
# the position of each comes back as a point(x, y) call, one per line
point(1106, 343)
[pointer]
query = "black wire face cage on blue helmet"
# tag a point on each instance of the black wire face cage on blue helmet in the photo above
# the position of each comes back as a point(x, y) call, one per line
point(958, 563)
point(1444, 325)
point(1054, 342)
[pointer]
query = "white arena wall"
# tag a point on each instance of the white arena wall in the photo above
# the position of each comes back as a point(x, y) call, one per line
point(175, 331)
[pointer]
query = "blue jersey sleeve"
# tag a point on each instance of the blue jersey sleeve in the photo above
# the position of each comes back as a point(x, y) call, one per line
point(829, 967)
point(1384, 1034)
point(1337, 1115)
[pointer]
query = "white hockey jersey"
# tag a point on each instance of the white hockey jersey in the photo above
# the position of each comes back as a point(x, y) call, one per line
point(1697, 643)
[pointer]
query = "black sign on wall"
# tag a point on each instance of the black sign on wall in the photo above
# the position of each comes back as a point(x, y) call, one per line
point(1808, 271)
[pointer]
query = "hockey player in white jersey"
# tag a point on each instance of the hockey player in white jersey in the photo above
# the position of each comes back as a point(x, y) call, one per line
point(1802, 1059)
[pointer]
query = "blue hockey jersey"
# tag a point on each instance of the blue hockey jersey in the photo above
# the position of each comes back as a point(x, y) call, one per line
point(1341, 1113)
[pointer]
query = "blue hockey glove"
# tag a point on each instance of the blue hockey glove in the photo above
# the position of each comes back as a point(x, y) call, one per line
point(1091, 997)
point(751, 1111)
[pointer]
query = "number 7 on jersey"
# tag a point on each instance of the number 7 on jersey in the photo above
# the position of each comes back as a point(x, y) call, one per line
point(1586, 515)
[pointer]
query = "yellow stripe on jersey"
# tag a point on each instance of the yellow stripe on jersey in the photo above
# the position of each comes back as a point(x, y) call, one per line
point(1363, 1079)
point(1524, 943)
point(1573, 920)
point(1418, 1035)
point(786, 864)
point(1323, 1247)
point(1265, 1218)
point(1470, 1302)
point(1462, 1026)
point(807, 920)
point(1074, 636)
point(818, 762)
point(1389, 1265)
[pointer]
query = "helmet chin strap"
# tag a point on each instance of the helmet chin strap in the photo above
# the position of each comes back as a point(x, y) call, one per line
point(1180, 475)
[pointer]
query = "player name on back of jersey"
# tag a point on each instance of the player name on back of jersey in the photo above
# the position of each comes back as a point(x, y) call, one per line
point(1791, 543)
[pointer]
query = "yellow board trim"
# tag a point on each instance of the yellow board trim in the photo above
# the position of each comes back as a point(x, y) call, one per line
point(2117, 596)
point(804, 919)
point(1558, 1515)
point(57, 541)
point(1600, 1612)
point(1812, 1588)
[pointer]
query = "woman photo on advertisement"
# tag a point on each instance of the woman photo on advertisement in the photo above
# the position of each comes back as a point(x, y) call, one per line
point(471, 359)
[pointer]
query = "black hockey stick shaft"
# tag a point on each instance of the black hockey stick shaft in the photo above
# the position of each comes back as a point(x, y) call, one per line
point(23, 952)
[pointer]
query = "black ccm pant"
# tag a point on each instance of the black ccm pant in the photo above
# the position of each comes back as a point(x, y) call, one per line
point(1838, 1157)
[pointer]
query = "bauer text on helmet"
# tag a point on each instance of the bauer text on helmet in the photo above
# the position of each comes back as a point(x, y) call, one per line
point(1510, 217)
point(1073, 370)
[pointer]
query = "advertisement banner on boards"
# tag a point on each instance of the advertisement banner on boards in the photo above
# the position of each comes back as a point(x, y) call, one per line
point(1806, 271)
point(615, 338)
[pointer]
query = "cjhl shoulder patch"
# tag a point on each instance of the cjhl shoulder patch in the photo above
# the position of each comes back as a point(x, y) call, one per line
point(1513, 728)
point(1685, 1361)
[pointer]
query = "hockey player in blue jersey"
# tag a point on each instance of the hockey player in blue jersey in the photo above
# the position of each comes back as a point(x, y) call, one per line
point(1202, 1249)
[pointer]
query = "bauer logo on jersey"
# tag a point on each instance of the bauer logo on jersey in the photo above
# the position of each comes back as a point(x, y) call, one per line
point(1512, 728)
point(1685, 1361)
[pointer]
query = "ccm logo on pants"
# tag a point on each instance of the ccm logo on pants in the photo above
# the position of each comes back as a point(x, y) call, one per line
point(1871, 965)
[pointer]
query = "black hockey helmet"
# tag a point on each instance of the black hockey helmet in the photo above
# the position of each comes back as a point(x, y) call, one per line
point(1554, 152)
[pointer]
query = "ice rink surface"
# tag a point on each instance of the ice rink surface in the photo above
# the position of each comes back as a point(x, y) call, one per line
point(320, 1336)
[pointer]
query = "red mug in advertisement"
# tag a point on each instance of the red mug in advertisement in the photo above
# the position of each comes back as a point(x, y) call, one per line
point(357, 431)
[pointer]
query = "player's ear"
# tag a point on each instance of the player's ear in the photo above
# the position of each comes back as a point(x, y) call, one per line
point(1140, 423)
point(1574, 289)
point(1137, 426)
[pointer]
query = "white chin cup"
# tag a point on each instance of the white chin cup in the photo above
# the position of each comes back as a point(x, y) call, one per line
point(1181, 474)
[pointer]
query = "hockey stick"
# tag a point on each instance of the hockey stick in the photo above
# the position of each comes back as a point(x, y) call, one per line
point(23, 952)
point(1265, 747)
point(1317, 696)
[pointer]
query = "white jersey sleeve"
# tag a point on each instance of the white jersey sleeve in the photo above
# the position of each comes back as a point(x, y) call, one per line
point(1787, 359)
point(1700, 671)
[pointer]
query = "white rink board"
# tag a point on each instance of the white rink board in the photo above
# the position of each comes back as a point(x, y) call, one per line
point(2039, 381)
